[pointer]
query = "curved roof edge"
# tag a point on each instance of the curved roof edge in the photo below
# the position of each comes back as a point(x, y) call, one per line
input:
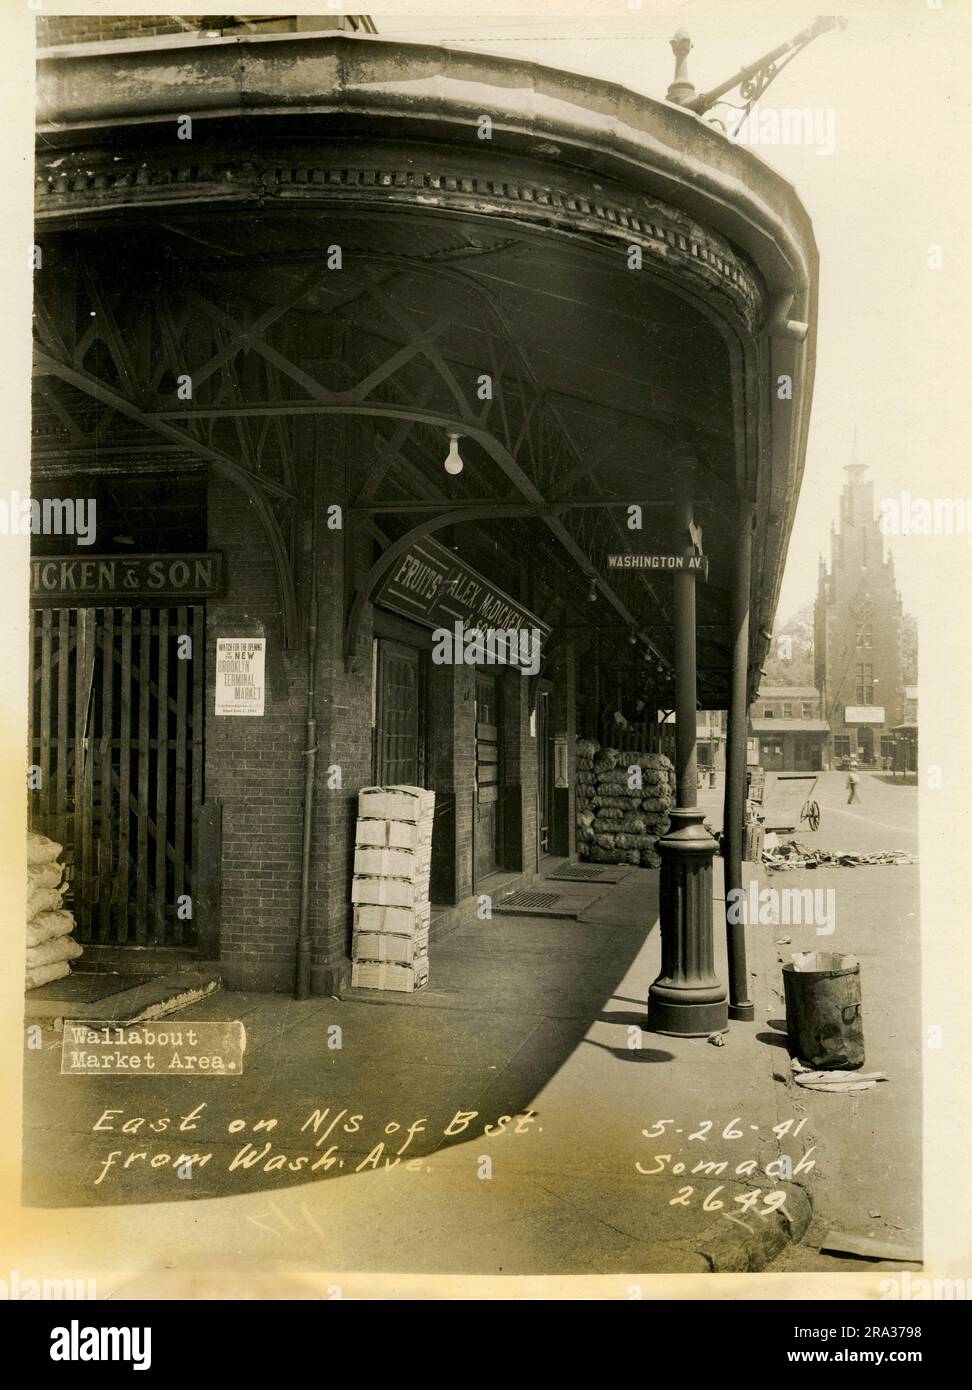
point(652, 146)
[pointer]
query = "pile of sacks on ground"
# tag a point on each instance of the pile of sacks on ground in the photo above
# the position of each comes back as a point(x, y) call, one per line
point(50, 945)
point(618, 823)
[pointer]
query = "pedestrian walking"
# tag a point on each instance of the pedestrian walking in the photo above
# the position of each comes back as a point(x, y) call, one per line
point(852, 787)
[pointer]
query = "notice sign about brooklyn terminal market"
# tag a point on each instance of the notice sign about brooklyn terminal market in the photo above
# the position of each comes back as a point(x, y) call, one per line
point(240, 666)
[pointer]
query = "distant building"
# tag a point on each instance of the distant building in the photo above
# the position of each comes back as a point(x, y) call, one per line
point(857, 633)
point(787, 728)
point(904, 755)
point(710, 733)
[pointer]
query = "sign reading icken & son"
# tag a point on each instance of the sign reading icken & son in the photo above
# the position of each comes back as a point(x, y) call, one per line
point(64, 581)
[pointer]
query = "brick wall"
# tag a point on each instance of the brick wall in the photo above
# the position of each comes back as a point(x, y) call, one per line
point(344, 703)
point(61, 29)
point(254, 766)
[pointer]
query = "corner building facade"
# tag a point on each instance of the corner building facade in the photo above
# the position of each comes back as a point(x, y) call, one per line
point(256, 345)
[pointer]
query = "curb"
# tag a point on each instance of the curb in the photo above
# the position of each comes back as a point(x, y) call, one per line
point(731, 1248)
point(741, 1246)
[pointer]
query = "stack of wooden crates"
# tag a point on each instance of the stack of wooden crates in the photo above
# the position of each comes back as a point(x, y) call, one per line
point(390, 891)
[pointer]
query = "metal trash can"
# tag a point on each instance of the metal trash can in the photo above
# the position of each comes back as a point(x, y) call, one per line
point(823, 1010)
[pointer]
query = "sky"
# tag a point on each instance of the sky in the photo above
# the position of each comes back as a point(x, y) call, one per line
point(891, 383)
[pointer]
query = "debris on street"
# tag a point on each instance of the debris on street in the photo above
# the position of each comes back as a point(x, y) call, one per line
point(792, 854)
point(834, 1080)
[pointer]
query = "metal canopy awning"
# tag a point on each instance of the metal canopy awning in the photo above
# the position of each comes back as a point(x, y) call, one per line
point(459, 258)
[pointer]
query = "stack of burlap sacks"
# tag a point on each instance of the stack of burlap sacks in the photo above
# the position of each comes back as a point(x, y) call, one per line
point(618, 823)
point(49, 942)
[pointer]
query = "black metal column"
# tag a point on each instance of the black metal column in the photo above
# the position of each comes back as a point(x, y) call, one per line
point(687, 999)
point(734, 806)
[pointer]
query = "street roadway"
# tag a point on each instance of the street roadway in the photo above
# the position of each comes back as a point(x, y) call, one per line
point(885, 816)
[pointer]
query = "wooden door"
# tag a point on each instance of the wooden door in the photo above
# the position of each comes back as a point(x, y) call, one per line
point(487, 775)
point(116, 720)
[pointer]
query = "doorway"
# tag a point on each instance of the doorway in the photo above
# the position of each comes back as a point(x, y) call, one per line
point(399, 753)
point(116, 744)
point(487, 776)
point(545, 773)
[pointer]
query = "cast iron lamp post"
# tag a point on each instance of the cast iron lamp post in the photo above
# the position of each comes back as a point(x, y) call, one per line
point(687, 999)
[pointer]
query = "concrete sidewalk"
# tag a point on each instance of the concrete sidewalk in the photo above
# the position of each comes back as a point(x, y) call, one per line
point(534, 1019)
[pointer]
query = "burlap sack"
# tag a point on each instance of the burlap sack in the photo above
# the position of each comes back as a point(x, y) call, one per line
point(598, 855)
point(47, 926)
point(41, 850)
point(615, 803)
point(58, 948)
point(613, 777)
point(44, 875)
point(606, 759)
point(45, 973)
point(43, 900)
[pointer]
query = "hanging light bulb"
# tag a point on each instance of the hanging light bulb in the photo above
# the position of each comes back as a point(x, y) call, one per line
point(592, 591)
point(633, 637)
point(453, 461)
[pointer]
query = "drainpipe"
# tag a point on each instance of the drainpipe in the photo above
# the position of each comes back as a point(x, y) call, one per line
point(302, 981)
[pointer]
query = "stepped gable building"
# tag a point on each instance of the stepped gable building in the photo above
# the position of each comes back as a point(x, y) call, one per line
point(857, 633)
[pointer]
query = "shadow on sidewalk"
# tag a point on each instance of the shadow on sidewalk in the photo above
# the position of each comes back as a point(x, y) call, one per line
point(509, 1003)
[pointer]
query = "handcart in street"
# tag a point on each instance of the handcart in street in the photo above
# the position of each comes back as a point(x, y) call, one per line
point(788, 801)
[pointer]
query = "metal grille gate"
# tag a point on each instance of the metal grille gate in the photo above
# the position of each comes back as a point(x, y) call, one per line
point(116, 721)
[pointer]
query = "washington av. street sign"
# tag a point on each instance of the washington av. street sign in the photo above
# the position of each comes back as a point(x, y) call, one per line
point(669, 564)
